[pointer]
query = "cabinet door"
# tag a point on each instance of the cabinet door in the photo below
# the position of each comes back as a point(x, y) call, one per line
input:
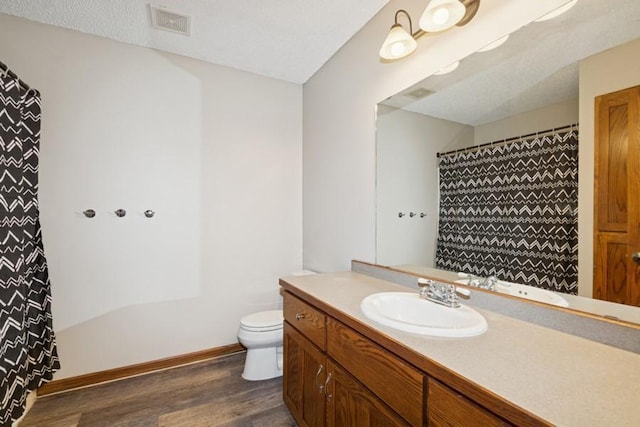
point(350, 404)
point(304, 378)
point(393, 380)
point(447, 408)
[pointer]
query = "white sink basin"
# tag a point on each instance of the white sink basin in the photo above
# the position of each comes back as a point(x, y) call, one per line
point(527, 292)
point(407, 312)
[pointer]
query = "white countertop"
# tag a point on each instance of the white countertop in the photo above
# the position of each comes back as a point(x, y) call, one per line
point(564, 379)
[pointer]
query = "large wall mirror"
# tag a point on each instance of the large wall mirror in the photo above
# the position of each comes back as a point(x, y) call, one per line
point(544, 78)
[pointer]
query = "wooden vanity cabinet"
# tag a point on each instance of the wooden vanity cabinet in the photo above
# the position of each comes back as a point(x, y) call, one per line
point(305, 361)
point(317, 390)
point(335, 376)
point(303, 383)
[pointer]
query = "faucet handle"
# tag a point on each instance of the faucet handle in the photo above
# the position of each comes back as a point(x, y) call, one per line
point(464, 293)
point(424, 285)
point(471, 279)
point(424, 282)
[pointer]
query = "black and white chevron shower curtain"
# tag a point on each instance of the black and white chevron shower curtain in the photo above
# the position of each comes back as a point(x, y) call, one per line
point(511, 210)
point(28, 355)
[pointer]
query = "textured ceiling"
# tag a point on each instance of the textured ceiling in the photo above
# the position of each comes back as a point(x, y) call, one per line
point(536, 67)
point(285, 39)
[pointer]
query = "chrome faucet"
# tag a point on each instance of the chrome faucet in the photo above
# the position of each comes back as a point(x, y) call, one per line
point(488, 283)
point(441, 293)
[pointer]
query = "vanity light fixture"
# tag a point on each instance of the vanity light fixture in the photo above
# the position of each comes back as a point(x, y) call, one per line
point(440, 15)
point(557, 12)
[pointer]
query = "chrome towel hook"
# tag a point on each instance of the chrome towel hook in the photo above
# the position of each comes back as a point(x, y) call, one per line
point(89, 213)
point(401, 214)
point(149, 213)
point(120, 213)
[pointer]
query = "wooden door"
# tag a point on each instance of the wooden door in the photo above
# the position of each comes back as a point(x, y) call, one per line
point(350, 404)
point(303, 381)
point(617, 197)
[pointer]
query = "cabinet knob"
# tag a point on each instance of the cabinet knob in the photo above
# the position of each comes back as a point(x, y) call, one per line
point(299, 316)
point(636, 257)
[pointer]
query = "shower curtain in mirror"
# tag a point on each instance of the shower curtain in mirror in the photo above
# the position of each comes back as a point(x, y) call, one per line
point(28, 355)
point(511, 210)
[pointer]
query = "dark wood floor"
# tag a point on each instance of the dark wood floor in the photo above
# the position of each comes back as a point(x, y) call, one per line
point(210, 393)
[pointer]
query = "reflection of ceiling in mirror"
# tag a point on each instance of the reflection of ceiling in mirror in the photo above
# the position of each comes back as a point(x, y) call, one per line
point(536, 67)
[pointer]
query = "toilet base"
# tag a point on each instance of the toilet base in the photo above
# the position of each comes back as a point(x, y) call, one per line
point(263, 363)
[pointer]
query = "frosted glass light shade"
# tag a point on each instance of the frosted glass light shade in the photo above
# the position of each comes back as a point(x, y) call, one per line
point(398, 44)
point(441, 15)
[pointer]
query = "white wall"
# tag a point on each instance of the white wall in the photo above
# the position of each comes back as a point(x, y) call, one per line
point(215, 152)
point(549, 117)
point(339, 139)
point(609, 71)
point(407, 181)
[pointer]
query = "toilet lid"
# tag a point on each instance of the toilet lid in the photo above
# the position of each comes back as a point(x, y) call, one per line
point(263, 319)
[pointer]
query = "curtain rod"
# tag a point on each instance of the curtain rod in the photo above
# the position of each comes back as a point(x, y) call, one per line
point(506, 141)
point(4, 70)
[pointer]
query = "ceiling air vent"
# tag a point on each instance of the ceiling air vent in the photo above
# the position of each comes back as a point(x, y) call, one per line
point(419, 93)
point(165, 19)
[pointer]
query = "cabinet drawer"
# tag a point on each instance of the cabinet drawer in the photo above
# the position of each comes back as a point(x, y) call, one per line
point(394, 381)
point(309, 321)
point(446, 407)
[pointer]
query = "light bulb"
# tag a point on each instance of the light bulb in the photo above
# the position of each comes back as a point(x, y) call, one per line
point(441, 15)
point(397, 48)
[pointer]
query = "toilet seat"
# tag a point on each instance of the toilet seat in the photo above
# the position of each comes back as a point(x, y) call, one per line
point(263, 321)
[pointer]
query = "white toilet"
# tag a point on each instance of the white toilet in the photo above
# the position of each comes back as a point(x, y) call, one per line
point(261, 334)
